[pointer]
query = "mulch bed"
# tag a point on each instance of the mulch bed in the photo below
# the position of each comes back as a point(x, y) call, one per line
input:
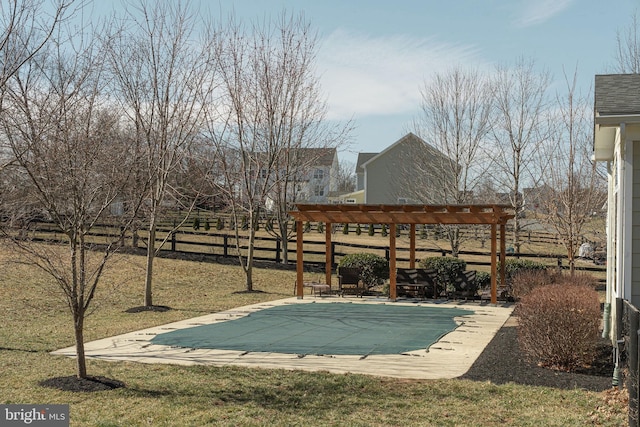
point(502, 362)
point(90, 384)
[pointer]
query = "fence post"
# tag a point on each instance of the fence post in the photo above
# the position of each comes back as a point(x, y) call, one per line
point(632, 382)
point(225, 247)
point(636, 379)
point(278, 250)
point(173, 241)
point(333, 254)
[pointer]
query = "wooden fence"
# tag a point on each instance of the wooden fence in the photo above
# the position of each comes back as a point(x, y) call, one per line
point(270, 249)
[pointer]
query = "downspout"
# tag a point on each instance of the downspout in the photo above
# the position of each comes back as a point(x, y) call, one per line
point(606, 315)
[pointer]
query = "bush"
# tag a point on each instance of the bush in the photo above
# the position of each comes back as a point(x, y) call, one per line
point(446, 268)
point(372, 230)
point(320, 227)
point(196, 223)
point(345, 228)
point(558, 325)
point(515, 266)
point(375, 269)
point(358, 230)
point(524, 281)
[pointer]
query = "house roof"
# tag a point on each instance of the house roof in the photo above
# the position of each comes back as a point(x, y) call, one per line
point(407, 138)
point(362, 159)
point(617, 94)
point(320, 156)
point(616, 101)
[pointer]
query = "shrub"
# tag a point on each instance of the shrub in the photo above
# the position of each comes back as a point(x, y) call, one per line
point(515, 266)
point(307, 227)
point(345, 228)
point(375, 269)
point(207, 226)
point(558, 325)
point(196, 223)
point(383, 231)
point(320, 227)
point(446, 268)
point(525, 281)
point(220, 223)
point(358, 230)
point(372, 230)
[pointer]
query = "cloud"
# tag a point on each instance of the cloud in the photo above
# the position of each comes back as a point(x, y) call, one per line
point(365, 76)
point(539, 11)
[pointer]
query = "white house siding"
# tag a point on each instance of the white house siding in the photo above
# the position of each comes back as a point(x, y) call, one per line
point(635, 227)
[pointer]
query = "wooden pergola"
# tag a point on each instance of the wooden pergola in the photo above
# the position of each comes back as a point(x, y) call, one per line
point(392, 215)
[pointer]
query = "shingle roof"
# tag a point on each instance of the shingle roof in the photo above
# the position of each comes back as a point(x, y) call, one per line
point(364, 158)
point(617, 94)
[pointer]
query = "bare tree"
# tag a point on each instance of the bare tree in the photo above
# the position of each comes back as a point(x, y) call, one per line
point(519, 131)
point(454, 119)
point(273, 111)
point(65, 137)
point(25, 28)
point(346, 177)
point(572, 176)
point(627, 55)
point(161, 70)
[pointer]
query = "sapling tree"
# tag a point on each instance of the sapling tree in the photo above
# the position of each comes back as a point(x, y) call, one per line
point(73, 157)
point(161, 73)
point(454, 119)
point(576, 186)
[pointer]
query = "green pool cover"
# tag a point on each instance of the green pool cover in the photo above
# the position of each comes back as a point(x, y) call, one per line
point(326, 328)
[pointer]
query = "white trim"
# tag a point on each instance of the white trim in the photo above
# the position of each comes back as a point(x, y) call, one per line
point(625, 214)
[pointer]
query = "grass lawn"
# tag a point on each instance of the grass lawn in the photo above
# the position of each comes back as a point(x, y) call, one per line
point(35, 321)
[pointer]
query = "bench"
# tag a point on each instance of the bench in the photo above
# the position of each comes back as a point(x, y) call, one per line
point(416, 282)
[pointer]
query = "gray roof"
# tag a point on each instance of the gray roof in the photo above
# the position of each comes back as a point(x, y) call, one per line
point(364, 158)
point(617, 94)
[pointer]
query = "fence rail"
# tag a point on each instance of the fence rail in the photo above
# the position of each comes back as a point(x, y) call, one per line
point(628, 320)
point(271, 249)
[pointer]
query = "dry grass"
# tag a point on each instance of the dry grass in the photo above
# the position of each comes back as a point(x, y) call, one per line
point(35, 322)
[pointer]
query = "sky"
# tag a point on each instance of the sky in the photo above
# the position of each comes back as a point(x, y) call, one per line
point(376, 55)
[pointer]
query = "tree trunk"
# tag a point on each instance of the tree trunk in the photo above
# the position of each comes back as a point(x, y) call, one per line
point(250, 251)
point(151, 253)
point(81, 362)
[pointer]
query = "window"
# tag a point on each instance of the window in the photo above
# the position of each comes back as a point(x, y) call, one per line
point(350, 201)
point(319, 190)
point(318, 174)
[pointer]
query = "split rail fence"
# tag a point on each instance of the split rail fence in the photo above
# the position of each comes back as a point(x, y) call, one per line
point(270, 249)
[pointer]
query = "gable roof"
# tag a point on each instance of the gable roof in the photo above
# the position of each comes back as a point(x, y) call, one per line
point(617, 94)
point(362, 159)
point(319, 156)
point(407, 138)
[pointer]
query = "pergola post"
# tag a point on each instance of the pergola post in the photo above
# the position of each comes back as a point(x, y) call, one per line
point(329, 255)
point(392, 262)
point(494, 266)
point(412, 246)
point(503, 253)
point(299, 261)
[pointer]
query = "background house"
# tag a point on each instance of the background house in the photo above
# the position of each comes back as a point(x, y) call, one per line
point(617, 142)
point(408, 171)
point(307, 175)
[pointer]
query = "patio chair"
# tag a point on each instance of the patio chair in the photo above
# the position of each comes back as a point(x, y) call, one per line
point(349, 281)
point(465, 284)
